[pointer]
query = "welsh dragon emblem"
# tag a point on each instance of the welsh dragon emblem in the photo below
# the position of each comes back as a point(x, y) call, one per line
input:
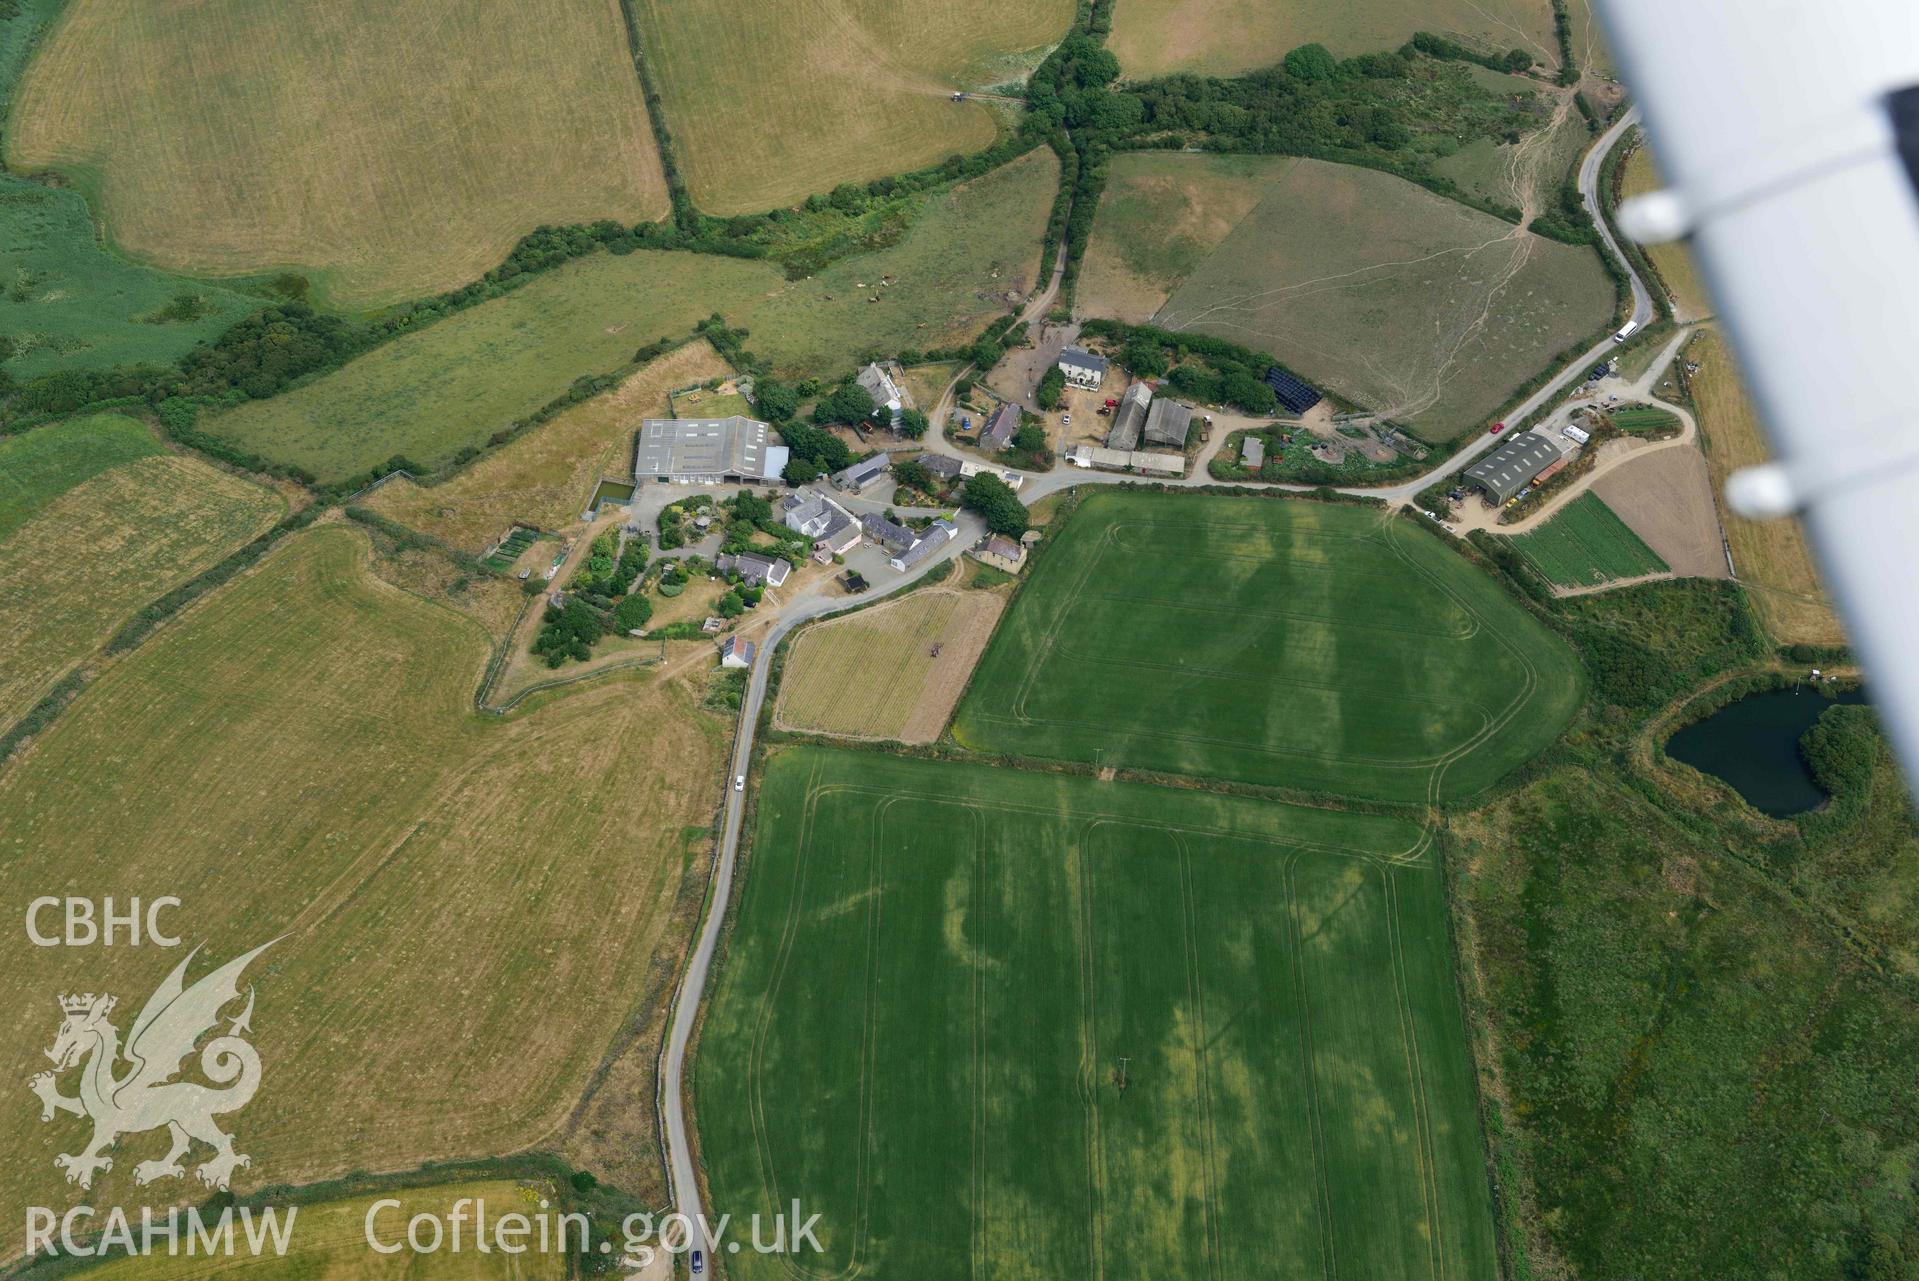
point(144, 1094)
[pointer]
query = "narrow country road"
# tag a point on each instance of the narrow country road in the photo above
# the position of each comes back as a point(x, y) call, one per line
point(685, 1189)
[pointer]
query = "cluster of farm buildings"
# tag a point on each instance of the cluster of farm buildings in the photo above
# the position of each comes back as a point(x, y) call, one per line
point(1528, 458)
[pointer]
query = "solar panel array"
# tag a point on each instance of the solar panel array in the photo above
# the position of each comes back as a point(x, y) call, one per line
point(1295, 395)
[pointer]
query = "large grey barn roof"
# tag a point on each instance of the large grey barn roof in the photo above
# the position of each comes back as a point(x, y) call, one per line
point(713, 447)
point(1511, 467)
point(1168, 422)
point(1130, 417)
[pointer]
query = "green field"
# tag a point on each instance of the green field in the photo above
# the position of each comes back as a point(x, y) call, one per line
point(1227, 37)
point(1585, 543)
point(1644, 418)
point(940, 971)
point(66, 302)
point(38, 466)
point(1291, 644)
point(1395, 298)
point(456, 382)
point(769, 103)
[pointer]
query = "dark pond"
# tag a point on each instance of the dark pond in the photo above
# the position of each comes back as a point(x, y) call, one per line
point(1754, 745)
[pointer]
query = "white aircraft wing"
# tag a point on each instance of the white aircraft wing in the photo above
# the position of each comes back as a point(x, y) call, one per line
point(1789, 132)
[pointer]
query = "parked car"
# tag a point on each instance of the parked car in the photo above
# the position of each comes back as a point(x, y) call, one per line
point(1066, 420)
point(1498, 427)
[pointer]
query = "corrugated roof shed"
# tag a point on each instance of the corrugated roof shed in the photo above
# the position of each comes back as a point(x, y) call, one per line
point(707, 448)
point(1512, 466)
point(1168, 422)
point(1252, 452)
point(1129, 417)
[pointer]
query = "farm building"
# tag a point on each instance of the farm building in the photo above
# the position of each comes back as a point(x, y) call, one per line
point(735, 652)
point(940, 467)
point(1510, 468)
point(754, 568)
point(862, 475)
point(999, 429)
point(808, 512)
point(1082, 368)
point(1252, 452)
point(706, 451)
point(936, 536)
point(885, 392)
point(891, 535)
point(969, 469)
point(830, 526)
point(1295, 395)
point(1129, 417)
point(1000, 552)
point(839, 537)
point(1122, 459)
point(1168, 422)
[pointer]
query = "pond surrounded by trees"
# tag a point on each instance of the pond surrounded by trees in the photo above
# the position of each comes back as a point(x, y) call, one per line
point(1753, 745)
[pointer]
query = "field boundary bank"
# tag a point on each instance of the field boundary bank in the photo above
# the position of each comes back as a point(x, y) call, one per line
point(528, 1164)
point(143, 623)
point(684, 214)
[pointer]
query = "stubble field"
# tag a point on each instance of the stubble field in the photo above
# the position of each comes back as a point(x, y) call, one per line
point(469, 909)
point(769, 104)
point(456, 382)
point(1227, 37)
point(873, 673)
point(388, 152)
point(1045, 1026)
point(99, 493)
point(544, 477)
point(1397, 299)
point(1310, 646)
point(1770, 558)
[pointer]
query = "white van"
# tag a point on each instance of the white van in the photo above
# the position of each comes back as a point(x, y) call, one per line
point(1625, 331)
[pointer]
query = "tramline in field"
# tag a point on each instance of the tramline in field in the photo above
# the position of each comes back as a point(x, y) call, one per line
point(1310, 646)
point(1052, 1026)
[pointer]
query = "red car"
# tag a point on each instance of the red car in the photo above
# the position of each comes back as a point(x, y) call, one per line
point(1498, 427)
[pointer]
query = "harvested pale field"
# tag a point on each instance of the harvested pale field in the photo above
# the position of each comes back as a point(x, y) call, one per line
point(545, 477)
point(92, 554)
point(469, 908)
point(1770, 558)
point(387, 150)
point(769, 103)
point(1396, 299)
point(873, 675)
point(329, 1243)
point(1226, 37)
point(1672, 261)
point(1666, 497)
